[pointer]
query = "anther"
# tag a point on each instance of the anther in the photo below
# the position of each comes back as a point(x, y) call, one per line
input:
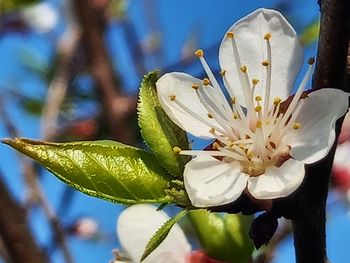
point(222, 73)
point(311, 61)
point(195, 86)
point(258, 98)
point(273, 145)
point(277, 101)
point(244, 69)
point(230, 35)
point(265, 63)
point(233, 100)
point(250, 155)
point(199, 53)
point(304, 95)
point(235, 115)
point(206, 81)
point(255, 81)
point(215, 145)
point(296, 125)
point(267, 36)
point(258, 123)
point(172, 97)
point(176, 150)
point(212, 130)
point(210, 116)
point(258, 109)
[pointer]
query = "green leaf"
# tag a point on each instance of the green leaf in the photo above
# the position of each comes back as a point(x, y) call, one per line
point(104, 169)
point(223, 237)
point(11, 5)
point(161, 234)
point(310, 33)
point(158, 131)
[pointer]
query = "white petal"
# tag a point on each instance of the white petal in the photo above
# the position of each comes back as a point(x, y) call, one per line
point(342, 156)
point(313, 140)
point(180, 85)
point(137, 224)
point(277, 182)
point(210, 182)
point(287, 54)
point(42, 17)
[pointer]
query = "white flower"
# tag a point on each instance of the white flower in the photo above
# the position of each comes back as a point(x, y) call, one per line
point(42, 17)
point(261, 143)
point(135, 227)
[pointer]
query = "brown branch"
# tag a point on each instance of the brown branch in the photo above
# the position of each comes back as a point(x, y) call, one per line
point(58, 86)
point(310, 221)
point(117, 108)
point(17, 238)
point(35, 193)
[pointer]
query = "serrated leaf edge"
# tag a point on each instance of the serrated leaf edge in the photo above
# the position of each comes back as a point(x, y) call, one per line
point(146, 80)
point(16, 142)
point(159, 237)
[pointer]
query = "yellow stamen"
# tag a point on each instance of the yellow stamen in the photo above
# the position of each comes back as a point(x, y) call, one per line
point(172, 97)
point(265, 63)
point(258, 123)
point(212, 130)
point(206, 81)
point(230, 35)
point(267, 36)
point(195, 86)
point(244, 69)
point(250, 155)
point(199, 53)
point(233, 100)
point(296, 125)
point(176, 150)
point(258, 98)
point(255, 81)
point(222, 73)
point(277, 101)
point(258, 109)
point(235, 115)
point(215, 145)
point(210, 116)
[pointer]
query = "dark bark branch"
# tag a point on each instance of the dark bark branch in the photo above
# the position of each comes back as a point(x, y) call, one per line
point(310, 221)
point(117, 108)
point(35, 194)
point(16, 236)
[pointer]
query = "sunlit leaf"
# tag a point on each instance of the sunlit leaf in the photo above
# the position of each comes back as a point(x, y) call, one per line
point(223, 237)
point(10, 5)
point(104, 169)
point(161, 234)
point(159, 132)
point(310, 33)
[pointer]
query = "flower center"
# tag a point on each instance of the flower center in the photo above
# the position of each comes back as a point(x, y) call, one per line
point(251, 135)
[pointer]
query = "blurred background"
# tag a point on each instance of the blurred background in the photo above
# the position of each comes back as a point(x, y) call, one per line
point(70, 70)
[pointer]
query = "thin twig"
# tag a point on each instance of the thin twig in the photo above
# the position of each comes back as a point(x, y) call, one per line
point(119, 109)
point(35, 193)
point(58, 86)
